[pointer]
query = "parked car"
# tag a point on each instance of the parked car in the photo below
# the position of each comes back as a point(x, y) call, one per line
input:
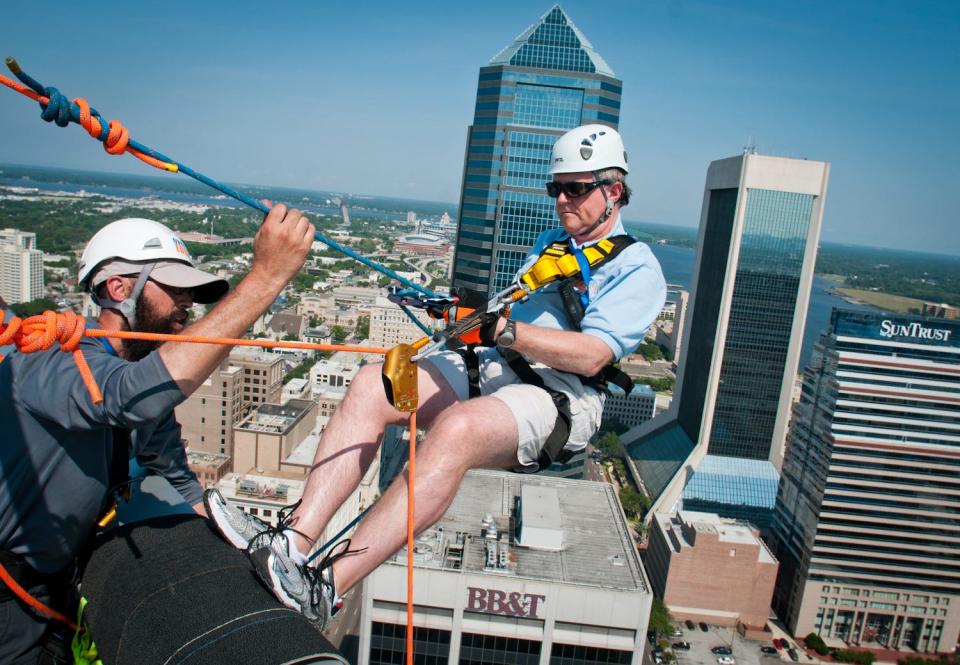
point(779, 643)
point(690, 624)
point(652, 638)
point(726, 660)
point(704, 627)
point(794, 656)
point(677, 632)
point(768, 650)
point(681, 646)
point(722, 651)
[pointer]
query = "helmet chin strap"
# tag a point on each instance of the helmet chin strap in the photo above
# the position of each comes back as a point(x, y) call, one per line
point(605, 215)
point(128, 306)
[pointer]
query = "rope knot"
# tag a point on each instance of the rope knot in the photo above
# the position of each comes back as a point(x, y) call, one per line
point(41, 332)
point(57, 109)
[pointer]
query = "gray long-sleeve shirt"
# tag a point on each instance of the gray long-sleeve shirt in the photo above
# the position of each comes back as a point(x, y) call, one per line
point(56, 445)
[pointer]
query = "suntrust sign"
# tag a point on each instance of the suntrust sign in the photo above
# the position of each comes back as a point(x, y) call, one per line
point(914, 329)
point(495, 601)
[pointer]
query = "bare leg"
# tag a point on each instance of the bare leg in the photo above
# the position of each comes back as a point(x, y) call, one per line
point(479, 433)
point(349, 443)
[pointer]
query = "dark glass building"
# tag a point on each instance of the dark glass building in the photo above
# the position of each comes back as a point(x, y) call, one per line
point(759, 229)
point(549, 80)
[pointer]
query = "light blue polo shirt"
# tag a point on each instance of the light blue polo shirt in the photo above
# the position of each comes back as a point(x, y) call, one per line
point(626, 295)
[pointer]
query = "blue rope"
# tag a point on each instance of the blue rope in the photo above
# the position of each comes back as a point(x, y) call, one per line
point(62, 111)
point(420, 324)
point(340, 533)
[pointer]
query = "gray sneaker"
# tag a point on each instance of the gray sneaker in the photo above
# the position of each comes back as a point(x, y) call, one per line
point(236, 526)
point(303, 588)
point(244, 531)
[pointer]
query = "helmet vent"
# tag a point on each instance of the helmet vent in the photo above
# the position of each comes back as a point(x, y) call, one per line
point(586, 152)
point(153, 243)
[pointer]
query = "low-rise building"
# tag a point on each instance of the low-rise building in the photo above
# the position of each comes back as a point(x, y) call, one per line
point(207, 417)
point(264, 439)
point(209, 467)
point(629, 409)
point(520, 569)
point(707, 568)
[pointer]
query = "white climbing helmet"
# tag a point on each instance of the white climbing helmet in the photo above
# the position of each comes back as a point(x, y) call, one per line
point(126, 246)
point(588, 148)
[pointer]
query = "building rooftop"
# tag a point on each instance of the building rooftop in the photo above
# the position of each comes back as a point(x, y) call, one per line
point(276, 418)
point(734, 481)
point(597, 549)
point(727, 530)
point(553, 42)
point(304, 453)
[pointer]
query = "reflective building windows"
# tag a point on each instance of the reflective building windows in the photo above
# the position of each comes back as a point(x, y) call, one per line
point(546, 82)
point(542, 106)
point(764, 303)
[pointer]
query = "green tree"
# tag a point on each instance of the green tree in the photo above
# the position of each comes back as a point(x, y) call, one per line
point(610, 445)
point(816, 643)
point(634, 503)
point(660, 620)
point(363, 327)
point(651, 351)
point(303, 281)
point(851, 656)
point(659, 384)
point(339, 333)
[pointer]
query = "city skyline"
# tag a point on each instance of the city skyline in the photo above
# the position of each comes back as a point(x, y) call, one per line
point(285, 99)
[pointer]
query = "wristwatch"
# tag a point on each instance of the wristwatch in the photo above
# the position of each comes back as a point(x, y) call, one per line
point(508, 335)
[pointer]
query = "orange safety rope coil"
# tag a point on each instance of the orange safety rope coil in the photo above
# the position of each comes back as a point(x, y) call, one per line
point(39, 333)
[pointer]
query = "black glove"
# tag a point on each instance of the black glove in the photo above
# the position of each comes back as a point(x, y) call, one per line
point(488, 328)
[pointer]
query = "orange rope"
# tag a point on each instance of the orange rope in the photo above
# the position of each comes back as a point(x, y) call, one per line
point(41, 332)
point(411, 470)
point(25, 596)
point(118, 138)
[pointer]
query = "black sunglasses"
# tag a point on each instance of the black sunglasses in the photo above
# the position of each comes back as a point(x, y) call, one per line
point(573, 190)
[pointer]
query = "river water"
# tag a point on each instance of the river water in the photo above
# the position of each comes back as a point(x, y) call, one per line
point(677, 262)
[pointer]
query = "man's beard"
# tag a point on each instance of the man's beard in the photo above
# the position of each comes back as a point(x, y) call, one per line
point(147, 321)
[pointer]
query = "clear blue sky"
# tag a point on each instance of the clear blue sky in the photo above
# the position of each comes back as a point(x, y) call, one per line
point(369, 97)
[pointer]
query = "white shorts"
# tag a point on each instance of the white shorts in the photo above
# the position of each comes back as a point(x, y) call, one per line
point(532, 408)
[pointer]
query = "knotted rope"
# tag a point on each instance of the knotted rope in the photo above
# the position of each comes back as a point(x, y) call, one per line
point(55, 107)
point(41, 332)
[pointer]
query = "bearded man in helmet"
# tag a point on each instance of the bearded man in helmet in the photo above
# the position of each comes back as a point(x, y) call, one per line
point(522, 415)
point(63, 456)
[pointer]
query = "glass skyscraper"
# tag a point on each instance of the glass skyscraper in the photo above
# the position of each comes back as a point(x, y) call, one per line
point(867, 526)
point(759, 229)
point(549, 80)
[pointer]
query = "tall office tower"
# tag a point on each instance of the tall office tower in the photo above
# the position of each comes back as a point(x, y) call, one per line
point(546, 82)
point(757, 246)
point(21, 266)
point(866, 517)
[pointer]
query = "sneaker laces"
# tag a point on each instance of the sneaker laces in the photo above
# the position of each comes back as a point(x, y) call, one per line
point(284, 517)
point(318, 580)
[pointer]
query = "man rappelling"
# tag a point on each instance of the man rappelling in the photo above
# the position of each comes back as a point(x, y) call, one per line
point(537, 399)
